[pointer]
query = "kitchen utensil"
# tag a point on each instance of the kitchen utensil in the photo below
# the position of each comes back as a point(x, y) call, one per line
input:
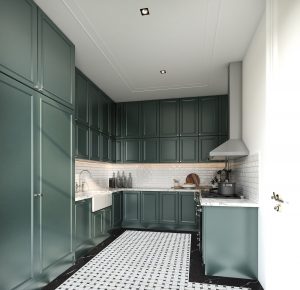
point(193, 178)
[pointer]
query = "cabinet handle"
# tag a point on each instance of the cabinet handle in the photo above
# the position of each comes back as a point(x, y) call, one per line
point(38, 195)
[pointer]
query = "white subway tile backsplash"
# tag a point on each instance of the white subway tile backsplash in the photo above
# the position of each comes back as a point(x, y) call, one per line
point(145, 175)
point(245, 172)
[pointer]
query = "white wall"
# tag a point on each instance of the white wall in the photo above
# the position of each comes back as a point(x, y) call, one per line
point(254, 120)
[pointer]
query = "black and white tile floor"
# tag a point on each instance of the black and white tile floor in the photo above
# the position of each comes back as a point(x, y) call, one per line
point(141, 260)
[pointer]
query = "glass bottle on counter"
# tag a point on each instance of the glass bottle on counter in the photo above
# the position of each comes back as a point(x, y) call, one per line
point(124, 181)
point(118, 180)
point(129, 181)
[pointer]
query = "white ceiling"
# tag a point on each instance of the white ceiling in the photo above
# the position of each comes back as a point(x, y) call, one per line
point(123, 52)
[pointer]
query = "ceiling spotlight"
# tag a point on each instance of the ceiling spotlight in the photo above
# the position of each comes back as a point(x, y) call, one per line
point(163, 71)
point(144, 11)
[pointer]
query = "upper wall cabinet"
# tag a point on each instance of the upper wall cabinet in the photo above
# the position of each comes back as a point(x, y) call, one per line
point(131, 127)
point(223, 115)
point(103, 112)
point(81, 98)
point(208, 116)
point(111, 118)
point(189, 117)
point(94, 100)
point(119, 115)
point(18, 34)
point(56, 62)
point(150, 118)
point(35, 52)
point(169, 118)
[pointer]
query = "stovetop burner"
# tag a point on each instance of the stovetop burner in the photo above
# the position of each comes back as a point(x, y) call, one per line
point(218, 195)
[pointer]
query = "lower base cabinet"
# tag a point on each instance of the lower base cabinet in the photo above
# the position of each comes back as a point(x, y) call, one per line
point(101, 224)
point(230, 246)
point(159, 210)
point(117, 202)
point(83, 227)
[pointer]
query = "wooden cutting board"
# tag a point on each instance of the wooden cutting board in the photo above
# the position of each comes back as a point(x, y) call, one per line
point(193, 178)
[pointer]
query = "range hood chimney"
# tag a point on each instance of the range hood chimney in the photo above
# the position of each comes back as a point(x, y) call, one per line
point(235, 147)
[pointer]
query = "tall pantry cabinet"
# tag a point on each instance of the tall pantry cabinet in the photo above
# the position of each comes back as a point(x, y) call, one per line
point(37, 168)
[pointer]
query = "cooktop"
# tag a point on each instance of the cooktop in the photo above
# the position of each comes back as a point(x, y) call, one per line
point(219, 195)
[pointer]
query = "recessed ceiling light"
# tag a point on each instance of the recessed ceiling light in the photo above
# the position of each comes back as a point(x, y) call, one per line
point(144, 11)
point(163, 71)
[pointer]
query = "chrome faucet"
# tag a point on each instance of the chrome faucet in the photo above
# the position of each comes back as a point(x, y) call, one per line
point(80, 185)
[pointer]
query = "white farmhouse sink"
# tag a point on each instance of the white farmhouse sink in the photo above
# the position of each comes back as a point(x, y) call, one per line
point(101, 199)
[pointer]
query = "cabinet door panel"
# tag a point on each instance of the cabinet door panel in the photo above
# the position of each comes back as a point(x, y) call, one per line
point(169, 150)
point(150, 118)
point(119, 118)
point(94, 145)
point(223, 115)
point(189, 149)
point(56, 62)
point(131, 206)
point(208, 116)
point(81, 97)
point(189, 117)
point(119, 151)
point(131, 150)
point(150, 150)
point(98, 223)
point(117, 209)
point(82, 222)
point(82, 141)
point(104, 151)
point(107, 220)
point(169, 118)
point(56, 182)
point(187, 208)
point(17, 135)
point(207, 144)
point(149, 207)
point(131, 121)
point(103, 112)
point(18, 34)
point(168, 207)
point(94, 99)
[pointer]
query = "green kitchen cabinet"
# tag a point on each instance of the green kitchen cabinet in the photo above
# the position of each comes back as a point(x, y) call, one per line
point(230, 241)
point(103, 113)
point(189, 117)
point(131, 121)
point(18, 34)
point(223, 139)
point(94, 145)
point(169, 118)
point(83, 226)
point(131, 207)
point(18, 123)
point(150, 150)
point(187, 209)
point(117, 213)
point(56, 62)
point(223, 115)
point(150, 119)
point(119, 119)
point(98, 225)
point(168, 210)
point(81, 141)
point(169, 150)
point(107, 220)
point(112, 118)
point(104, 147)
point(94, 101)
point(209, 115)
point(188, 149)
point(149, 207)
point(56, 187)
point(81, 98)
point(131, 149)
point(119, 151)
point(207, 144)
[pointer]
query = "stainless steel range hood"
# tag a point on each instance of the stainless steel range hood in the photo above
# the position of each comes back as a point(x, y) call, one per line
point(234, 147)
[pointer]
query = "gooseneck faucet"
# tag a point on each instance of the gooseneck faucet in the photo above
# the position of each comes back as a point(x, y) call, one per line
point(80, 185)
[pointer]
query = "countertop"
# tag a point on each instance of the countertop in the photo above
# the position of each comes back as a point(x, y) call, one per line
point(226, 202)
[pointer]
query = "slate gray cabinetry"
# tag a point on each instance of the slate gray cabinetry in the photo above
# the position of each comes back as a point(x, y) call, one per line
point(83, 226)
point(35, 52)
point(41, 238)
point(101, 224)
point(159, 210)
point(230, 238)
point(117, 209)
